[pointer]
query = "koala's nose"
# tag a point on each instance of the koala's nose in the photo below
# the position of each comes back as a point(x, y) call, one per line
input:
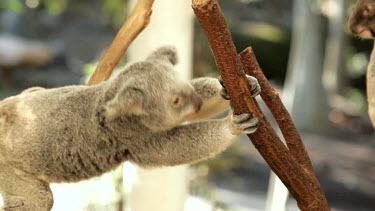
point(353, 28)
point(197, 102)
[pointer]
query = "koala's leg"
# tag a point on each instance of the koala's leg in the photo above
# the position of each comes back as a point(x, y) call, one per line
point(193, 142)
point(24, 193)
point(209, 90)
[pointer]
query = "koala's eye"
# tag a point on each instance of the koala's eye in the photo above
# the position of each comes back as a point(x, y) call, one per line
point(176, 101)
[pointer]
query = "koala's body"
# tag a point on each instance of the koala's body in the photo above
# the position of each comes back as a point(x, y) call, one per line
point(362, 23)
point(74, 133)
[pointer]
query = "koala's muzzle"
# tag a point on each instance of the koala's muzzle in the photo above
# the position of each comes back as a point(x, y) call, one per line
point(196, 101)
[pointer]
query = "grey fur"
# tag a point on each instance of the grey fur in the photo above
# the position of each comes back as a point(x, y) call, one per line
point(75, 133)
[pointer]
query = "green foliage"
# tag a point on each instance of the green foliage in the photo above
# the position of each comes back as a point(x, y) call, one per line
point(12, 5)
point(357, 64)
point(55, 7)
point(358, 97)
point(115, 10)
point(88, 70)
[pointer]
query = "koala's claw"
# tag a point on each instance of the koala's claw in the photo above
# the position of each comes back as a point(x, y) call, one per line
point(253, 82)
point(255, 87)
point(223, 92)
point(243, 123)
point(241, 118)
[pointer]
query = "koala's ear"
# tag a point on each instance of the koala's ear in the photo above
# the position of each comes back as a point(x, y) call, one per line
point(166, 53)
point(127, 101)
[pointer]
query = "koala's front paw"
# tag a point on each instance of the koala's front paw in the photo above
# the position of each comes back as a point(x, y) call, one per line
point(243, 123)
point(254, 86)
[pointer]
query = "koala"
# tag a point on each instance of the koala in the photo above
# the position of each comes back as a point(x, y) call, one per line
point(362, 23)
point(146, 115)
point(362, 19)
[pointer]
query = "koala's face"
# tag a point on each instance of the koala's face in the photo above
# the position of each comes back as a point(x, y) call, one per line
point(362, 21)
point(152, 91)
point(169, 100)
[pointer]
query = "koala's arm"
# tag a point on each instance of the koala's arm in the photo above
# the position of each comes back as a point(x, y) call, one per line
point(193, 142)
point(213, 103)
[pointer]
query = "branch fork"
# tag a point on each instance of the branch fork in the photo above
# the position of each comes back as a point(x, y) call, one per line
point(292, 164)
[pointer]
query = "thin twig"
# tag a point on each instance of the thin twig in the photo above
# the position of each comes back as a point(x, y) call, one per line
point(137, 21)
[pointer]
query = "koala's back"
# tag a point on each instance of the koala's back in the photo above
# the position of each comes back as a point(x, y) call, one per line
point(54, 124)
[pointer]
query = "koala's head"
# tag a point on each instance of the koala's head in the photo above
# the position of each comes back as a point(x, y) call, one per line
point(152, 91)
point(362, 20)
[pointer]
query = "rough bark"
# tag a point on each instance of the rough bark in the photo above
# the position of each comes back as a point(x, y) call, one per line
point(269, 145)
point(284, 120)
point(137, 21)
point(278, 110)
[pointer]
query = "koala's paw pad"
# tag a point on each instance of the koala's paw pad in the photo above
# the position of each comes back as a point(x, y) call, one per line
point(243, 124)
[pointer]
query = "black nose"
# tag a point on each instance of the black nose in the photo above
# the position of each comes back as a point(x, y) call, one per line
point(197, 101)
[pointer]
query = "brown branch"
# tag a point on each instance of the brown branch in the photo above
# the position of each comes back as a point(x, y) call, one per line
point(284, 120)
point(137, 21)
point(269, 145)
point(278, 110)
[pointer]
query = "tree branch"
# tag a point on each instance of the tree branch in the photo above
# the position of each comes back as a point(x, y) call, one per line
point(278, 110)
point(300, 183)
point(137, 21)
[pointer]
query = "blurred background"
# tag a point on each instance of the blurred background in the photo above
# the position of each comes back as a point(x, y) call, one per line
point(304, 48)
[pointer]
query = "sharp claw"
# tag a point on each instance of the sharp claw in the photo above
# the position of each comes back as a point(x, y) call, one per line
point(252, 80)
point(221, 81)
point(256, 92)
point(251, 130)
point(254, 86)
point(241, 118)
point(224, 94)
point(249, 124)
point(244, 123)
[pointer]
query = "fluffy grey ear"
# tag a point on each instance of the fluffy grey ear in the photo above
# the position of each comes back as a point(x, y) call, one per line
point(166, 53)
point(127, 101)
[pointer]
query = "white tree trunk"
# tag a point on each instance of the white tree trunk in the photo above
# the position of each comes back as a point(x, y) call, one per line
point(303, 94)
point(277, 194)
point(163, 189)
point(334, 61)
